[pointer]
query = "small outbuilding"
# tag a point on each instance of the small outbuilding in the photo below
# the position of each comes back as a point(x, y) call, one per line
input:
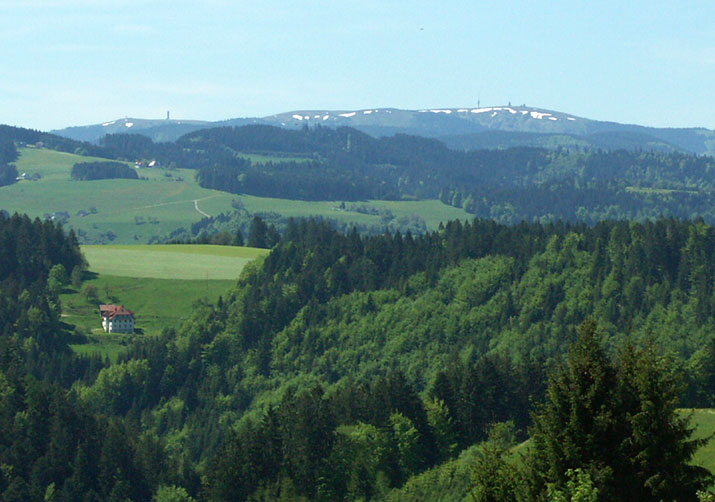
point(116, 319)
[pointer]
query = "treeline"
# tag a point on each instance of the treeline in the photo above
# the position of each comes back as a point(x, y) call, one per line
point(291, 180)
point(182, 153)
point(32, 137)
point(85, 171)
point(232, 228)
point(595, 186)
point(30, 248)
point(8, 155)
point(31, 330)
point(260, 234)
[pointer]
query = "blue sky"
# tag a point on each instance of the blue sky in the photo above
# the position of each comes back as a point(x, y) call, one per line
point(82, 62)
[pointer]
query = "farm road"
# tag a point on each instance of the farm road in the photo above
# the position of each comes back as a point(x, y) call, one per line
point(196, 205)
point(195, 201)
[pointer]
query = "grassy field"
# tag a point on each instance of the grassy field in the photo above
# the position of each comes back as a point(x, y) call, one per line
point(197, 263)
point(704, 422)
point(160, 284)
point(156, 303)
point(657, 191)
point(260, 159)
point(123, 211)
point(133, 210)
point(432, 211)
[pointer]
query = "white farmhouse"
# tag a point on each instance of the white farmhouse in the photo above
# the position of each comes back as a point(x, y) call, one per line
point(116, 319)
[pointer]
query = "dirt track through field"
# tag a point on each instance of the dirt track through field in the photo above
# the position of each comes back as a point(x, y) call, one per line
point(196, 205)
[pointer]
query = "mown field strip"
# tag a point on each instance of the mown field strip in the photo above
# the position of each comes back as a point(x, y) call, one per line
point(171, 261)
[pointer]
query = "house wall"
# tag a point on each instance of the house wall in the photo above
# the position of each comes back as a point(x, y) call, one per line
point(120, 324)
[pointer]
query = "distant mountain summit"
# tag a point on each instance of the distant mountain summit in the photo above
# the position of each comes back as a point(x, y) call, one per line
point(460, 128)
point(438, 121)
point(158, 130)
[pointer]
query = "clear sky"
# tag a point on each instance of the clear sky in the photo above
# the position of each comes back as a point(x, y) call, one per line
point(87, 61)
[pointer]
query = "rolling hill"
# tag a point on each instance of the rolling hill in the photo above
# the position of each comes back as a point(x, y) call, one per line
point(136, 211)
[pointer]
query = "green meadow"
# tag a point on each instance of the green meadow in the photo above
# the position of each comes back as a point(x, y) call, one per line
point(657, 191)
point(122, 211)
point(432, 211)
point(160, 284)
point(183, 261)
point(132, 210)
point(704, 422)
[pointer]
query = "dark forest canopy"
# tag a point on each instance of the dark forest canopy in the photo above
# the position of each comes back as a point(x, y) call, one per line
point(507, 185)
point(24, 136)
point(102, 170)
point(469, 316)
point(8, 154)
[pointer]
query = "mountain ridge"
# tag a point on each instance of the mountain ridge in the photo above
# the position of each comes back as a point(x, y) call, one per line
point(458, 127)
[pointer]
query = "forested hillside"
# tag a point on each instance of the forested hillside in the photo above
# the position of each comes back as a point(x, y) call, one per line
point(510, 185)
point(52, 447)
point(23, 136)
point(343, 365)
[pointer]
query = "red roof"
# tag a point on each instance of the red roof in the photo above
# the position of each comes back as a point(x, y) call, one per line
point(111, 311)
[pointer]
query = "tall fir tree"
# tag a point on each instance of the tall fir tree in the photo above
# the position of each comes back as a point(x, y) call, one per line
point(617, 422)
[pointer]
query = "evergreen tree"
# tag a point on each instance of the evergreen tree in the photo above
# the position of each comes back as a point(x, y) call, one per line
point(258, 233)
point(659, 447)
point(617, 423)
point(238, 238)
point(494, 479)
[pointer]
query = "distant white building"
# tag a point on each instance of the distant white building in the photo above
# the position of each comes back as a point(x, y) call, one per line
point(116, 319)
